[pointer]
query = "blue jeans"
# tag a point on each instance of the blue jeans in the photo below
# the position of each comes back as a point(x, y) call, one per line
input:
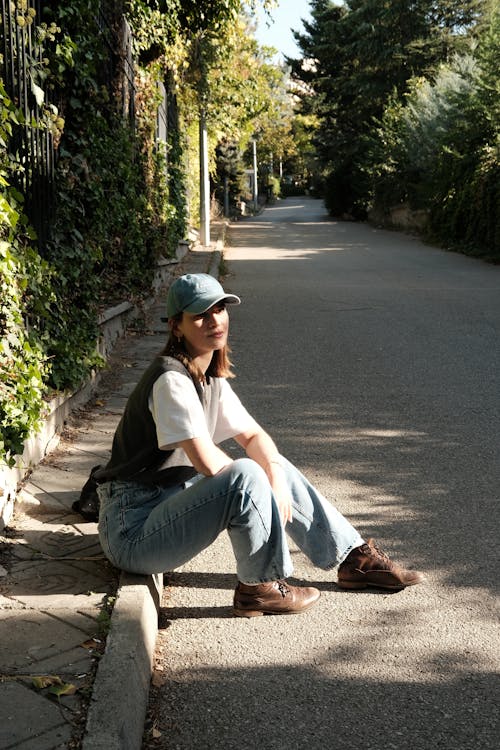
point(147, 529)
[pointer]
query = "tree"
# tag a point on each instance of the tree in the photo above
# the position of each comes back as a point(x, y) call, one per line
point(213, 64)
point(246, 96)
point(357, 56)
point(439, 149)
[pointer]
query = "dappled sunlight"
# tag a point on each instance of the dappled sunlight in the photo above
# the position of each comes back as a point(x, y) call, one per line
point(395, 651)
point(259, 253)
point(257, 224)
point(374, 437)
point(255, 242)
point(272, 209)
point(389, 433)
point(371, 365)
point(442, 653)
point(363, 689)
point(395, 479)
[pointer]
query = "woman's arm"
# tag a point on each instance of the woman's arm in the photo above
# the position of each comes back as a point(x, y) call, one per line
point(205, 456)
point(260, 447)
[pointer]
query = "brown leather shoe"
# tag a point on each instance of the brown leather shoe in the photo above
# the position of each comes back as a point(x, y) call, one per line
point(276, 598)
point(369, 566)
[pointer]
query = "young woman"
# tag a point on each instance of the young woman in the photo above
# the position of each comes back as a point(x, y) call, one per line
point(169, 490)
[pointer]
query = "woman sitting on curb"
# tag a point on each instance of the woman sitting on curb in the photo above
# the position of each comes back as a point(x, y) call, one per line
point(168, 490)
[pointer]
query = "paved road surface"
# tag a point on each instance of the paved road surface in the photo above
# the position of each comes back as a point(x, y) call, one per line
point(374, 361)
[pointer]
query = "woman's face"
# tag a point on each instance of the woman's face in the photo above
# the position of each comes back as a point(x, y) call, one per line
point(206, 332)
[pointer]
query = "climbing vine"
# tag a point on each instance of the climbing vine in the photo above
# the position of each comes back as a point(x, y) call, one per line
point(112, 218)
point(24, 286)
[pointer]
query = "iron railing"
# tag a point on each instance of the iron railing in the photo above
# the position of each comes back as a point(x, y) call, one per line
point(32, 145)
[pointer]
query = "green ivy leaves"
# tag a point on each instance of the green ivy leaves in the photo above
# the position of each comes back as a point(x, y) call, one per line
point(23, 364)
point(115, 215)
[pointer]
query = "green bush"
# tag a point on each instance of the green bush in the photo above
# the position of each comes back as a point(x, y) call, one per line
point(440, 151)
point(24, 283)
point(344, 191)
point(467, 216)
point(113, 219)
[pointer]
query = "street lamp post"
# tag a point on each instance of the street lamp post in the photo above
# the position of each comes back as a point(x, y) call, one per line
point(255, 186)
point(204, 183)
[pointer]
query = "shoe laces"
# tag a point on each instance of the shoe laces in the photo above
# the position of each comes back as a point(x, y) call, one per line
point(283, 588)
point(375, 551)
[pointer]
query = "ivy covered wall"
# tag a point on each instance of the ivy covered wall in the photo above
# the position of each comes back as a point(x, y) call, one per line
point(114, 210)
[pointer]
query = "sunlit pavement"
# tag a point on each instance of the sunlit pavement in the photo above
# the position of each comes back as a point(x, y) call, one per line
point(374, 361)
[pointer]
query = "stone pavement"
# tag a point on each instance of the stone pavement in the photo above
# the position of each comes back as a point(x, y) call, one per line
point(76, 638)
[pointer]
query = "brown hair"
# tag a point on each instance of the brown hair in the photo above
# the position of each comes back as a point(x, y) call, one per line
point(219, 367)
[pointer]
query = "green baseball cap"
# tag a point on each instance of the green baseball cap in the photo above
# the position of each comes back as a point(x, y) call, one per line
point(196, 293)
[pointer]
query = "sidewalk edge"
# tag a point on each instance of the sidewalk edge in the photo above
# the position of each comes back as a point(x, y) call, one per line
point(117, 711)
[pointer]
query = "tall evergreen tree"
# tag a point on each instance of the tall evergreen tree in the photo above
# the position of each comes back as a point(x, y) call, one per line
point(354, 57)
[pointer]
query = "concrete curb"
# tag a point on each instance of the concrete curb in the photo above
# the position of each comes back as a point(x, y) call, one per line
point(115, 720)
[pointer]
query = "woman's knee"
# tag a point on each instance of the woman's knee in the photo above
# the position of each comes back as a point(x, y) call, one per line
point(249, 470)
point(251, 493)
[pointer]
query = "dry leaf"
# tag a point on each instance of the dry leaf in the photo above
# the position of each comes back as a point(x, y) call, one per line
point(44, 680)
point(158, 680)
point(90, 644)
point(65, 688)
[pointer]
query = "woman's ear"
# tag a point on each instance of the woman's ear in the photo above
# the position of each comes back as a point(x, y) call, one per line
point(173, 324)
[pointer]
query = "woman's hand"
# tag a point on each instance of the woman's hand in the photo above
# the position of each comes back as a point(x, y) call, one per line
point(280, 489)
point(260, 447)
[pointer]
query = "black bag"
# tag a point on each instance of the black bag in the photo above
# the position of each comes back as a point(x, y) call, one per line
point(88, 503)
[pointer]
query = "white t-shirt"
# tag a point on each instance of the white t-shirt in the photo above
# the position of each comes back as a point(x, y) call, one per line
point(178, 412)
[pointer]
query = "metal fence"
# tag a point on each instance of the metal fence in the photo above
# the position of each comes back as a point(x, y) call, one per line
point(120, 69)
point(33, 146)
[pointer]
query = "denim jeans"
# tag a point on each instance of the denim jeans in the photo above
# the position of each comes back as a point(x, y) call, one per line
point(146, 529)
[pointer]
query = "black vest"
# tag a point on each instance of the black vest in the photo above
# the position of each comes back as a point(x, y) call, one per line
point(135, 454)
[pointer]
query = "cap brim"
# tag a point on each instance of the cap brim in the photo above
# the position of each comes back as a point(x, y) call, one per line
point(201, 306)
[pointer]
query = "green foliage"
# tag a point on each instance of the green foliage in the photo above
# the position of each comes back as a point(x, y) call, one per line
point(417, 137)
point(97, 183)
point(112, 219)
point(273, 186)
point(439, 151)
point(300, 166)
point(230, 182)
point(407, 100)
point(249, 99)
point(209, 59)
point(465, 211)
point(358, 55)
point(177, 219)
point(466, 215)
point(24, 289)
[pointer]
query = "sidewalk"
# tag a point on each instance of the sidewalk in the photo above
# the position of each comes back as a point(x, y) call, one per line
point(77, 639)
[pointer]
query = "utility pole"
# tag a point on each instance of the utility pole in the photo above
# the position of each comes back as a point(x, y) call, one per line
point(255, 186)
point(204, 183)
point(226, 195)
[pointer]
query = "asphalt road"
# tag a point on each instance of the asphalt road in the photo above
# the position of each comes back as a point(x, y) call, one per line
point(374, 361)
